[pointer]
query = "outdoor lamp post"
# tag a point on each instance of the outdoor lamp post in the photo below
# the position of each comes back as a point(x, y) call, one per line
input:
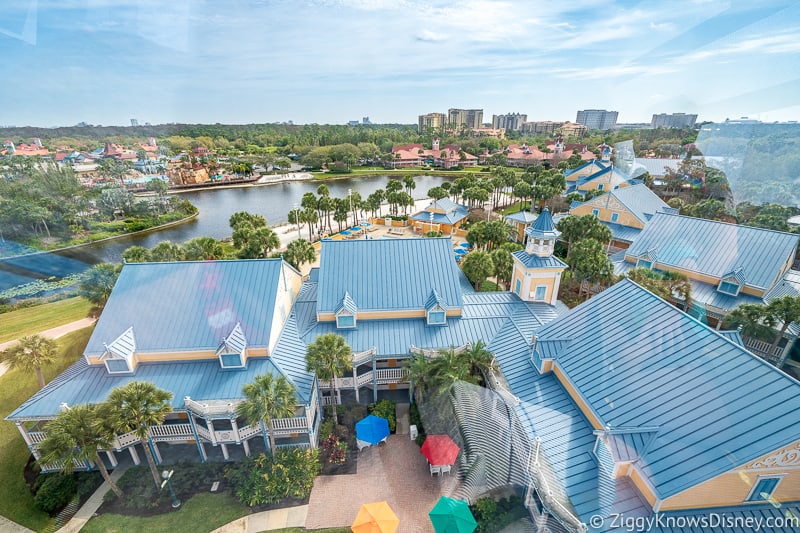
point(167, 481)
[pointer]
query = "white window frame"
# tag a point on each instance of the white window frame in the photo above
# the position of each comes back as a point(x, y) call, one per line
point(536, 291)
point(614, 217)
point(127, 364)
point(596, 213)
point(734, 283)
point(641, 260)
point(241, 360)
point(751, 497)
point(437, 310)
point(340, 326)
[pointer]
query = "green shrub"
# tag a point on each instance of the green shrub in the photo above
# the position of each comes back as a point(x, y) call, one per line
point(55, 492)
point(494, 515)
point(385, 409)
point(290, 474)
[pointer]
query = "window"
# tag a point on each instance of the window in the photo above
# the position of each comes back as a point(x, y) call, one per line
point(764, 488)
point(436, 317)
point(596, 212)
point(614, 217)
point(541, 292)
point(115, 366)
point(644, 263)
point(345, 321)
point(729, 287)
point(230, 360)
point(600, 187)
point(518, 287)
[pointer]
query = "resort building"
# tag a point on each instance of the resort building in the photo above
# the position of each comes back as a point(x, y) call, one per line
point(635, 409)
point(525, 155)
point(727, 264)
point(414, 155)
point(200, 330)
point(597, 119)
point(470, 118)
point(435, 121)
point(673, 120)
point(624, 211)
point(519, 221)
point(605, 179)
point(510, 121)
point(536, 275)
point(440, 215)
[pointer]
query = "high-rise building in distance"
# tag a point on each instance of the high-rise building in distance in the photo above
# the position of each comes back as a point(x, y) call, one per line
point(436, 121)
point(472, 118)
point(674, 120)
point(597, 119)
point(510, 121)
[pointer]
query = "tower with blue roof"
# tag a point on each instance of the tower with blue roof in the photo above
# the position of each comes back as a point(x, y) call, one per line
point(537, 272)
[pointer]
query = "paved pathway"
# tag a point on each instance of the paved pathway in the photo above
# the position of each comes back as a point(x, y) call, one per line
point(396, 472)
point(91, 506)
point(52, 333)
point(7, 526)
point(267, 520)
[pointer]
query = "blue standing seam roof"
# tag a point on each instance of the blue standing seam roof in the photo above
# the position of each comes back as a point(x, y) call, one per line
point(200, 380)
point(199, 303)
point(451, 217)
point(535, 261)
point(640, 201)
point(694, 379)
point(716, 248)
point(387, 275)
point(524, 217)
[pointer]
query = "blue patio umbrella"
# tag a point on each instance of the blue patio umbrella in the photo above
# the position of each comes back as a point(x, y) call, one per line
point(327, 239)
point(345, 232)
point(355, 228)
point(460, 251)
point(465, 245)
point(365, 224)
point(372, 429)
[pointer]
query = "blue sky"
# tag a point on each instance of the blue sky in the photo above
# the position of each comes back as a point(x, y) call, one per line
point(330, 61)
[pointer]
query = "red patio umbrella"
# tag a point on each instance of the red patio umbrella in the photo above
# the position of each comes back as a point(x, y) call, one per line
point(440, 450)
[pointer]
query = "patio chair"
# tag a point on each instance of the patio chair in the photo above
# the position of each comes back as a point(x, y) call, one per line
point(445, 468)
point(436, 470)
point(362, 444)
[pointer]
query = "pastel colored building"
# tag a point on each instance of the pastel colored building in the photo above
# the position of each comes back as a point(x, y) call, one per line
point(440, 215)
point(519, 221)
point(536, 275)
point(624, 211)
point(727, 264)
point(414, 155)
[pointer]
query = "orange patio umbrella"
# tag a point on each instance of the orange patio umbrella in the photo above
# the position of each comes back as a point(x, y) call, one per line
point(375, 517)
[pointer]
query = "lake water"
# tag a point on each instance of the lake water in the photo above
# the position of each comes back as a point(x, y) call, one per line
point(216, 206)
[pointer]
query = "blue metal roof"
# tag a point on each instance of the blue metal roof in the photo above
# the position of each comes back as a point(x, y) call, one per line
point(435, 300)
point(386, 275)
point(452, 217)
point(599, 165)
point(658, 167)
point(347, 304)
point(199, 303)
point(200, 380)
point(650, 364)
point(534, 261)
point(638, 199)
point(523, 217)
point(289, 356)
point(620, 232)
point(543, 226)
point(716, 248)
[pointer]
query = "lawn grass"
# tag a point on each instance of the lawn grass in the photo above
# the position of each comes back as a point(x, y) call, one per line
point(16, 502)
point(516, 207)
point(30, 320)
point(200, 514)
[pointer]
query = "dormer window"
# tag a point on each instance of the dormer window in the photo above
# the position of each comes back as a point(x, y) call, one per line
point(647, 259)
point(436, 309)
point(644, 263)
point(232, 352)
point(346, 312)
point(119, 356)
point(729, 287)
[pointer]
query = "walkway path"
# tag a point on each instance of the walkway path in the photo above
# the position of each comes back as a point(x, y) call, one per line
point(267, 520)
point(91, 506)
point(396, 472)
point(52, 333)
point(7, 526)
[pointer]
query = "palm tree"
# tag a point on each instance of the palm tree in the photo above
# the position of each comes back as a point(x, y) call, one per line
point(266, 399)
point(477, 267)
point(783, 310)
point(328, 357)
point(203, 249)
point(135, 407)
point(480, 359)
point(299, 252)
point(449, 367)
point(31, 353)
point(77, 434)
point(418, 376)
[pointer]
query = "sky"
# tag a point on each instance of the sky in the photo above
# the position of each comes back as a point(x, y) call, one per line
point(331, 61)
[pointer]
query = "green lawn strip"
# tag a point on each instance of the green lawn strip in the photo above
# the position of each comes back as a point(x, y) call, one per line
point(302, 530)
point(16, 501)
point(199, 514)
point(30, 320)
point(516, 207)
point(490, 286)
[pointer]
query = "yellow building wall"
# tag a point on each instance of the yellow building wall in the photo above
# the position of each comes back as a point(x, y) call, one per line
point(698, 276)
point(588, 171)
point(733, 488)
point(381, 315)
point(604, 214)
point(609, 183)
point(577, 398)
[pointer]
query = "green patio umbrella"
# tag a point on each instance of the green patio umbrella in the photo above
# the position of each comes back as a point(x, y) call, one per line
point(452, 516)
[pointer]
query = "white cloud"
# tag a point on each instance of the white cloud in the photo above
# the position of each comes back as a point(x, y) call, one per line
point(773, 44)
point(429, 36)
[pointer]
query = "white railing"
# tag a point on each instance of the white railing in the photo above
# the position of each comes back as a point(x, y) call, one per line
point(225, 435)
point(761, 348)
point(295, 423)
point(326, 400)
point(217, 408)
point(364, 356)
point(248, 431)
point(494, 384)
point(171, 432)
point(537, 481)
point(36, 436)
point(203, 432)
point(390, 375)
point(125, 440)
point(301, 445)
point(364, 378)
point(436, 352)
